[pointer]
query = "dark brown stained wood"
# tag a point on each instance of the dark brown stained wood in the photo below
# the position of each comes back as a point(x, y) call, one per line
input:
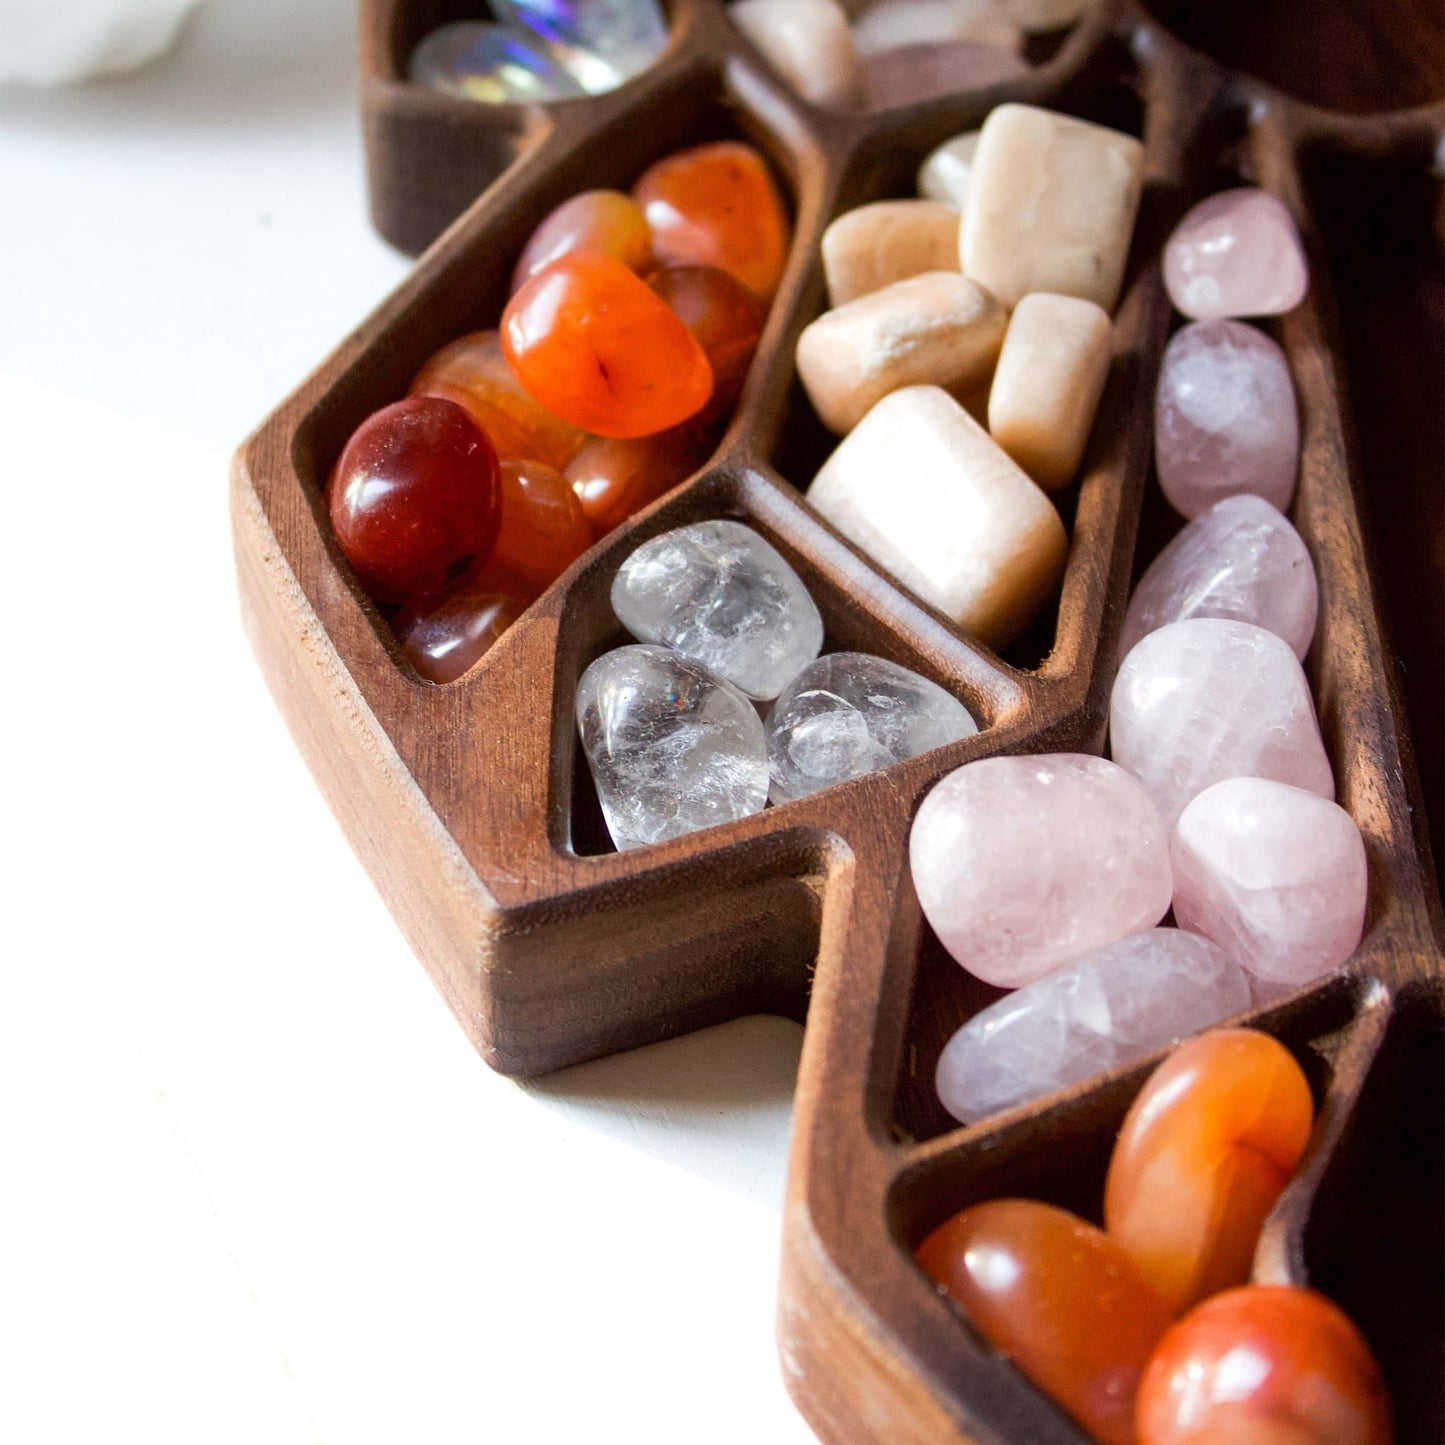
point(471, 809)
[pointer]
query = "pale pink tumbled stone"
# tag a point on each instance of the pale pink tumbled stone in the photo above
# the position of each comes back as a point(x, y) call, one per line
point(914, 73)
point(1275, 875)
point(1023, 864)
point(1225, 418)
point(1207, 699)
point(1236, 254)
point(1239, 560)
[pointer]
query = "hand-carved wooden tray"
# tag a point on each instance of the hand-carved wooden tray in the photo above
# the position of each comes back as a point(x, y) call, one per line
point(474, 813)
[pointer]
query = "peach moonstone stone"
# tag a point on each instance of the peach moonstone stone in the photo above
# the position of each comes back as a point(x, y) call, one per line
point(1024, 864)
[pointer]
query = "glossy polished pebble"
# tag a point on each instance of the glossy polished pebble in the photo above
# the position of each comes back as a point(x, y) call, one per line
point(848, 714)
point(1024, 864)
point(1225, 418)
point(727, 320)
point(1051, 374)
point(1266, 1365)
point(872, 246)
point(1057, 1297)
point(416, 498)
point(630, 34)
point(809, 43)
point(1203, 1154)
point(947, 172)
point(606, 221)
point(727, 598)
point(1240, 560)
point(446, 635)
point(671, 747)
point(939, 329)
point(924, 491)
point(716, 205)
point(1274, 874)
point(544, 529)
point(914, 73)
point(1051, 206)
point(1237, 253)
point(1199, 701)
point(890, 24)
point(596, 346)
point(495, 64)
point(1115, 1005)
point(614, 479)
point(473, 372)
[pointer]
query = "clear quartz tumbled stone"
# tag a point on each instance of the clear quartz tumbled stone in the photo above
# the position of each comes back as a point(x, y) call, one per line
point(593, 38)
point(495, 64)
point(720, 593)
point(671, 747)
point(848, 714)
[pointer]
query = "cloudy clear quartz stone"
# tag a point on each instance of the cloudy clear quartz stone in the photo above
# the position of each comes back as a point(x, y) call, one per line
point(1113, 1006)
point(495, 64)
point(848, 714)
point(671, 747)
point(720, 593)
point(624, 36)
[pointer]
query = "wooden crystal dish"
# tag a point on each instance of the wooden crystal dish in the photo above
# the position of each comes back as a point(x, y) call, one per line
point(471, 808)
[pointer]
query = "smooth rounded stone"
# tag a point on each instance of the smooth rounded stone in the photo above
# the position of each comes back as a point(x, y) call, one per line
point(873, 246)
point(1273, 874)
point(809, 43)
point(921, 488)
point(1237, 253)
point(848, 714)
point(626, 34)
point(913, 73)
point(1117, 1004)
point(939, 329)
point(1025, 864)
point(1051, 374)
point(490, 63)
point(1239, 560)
point(671, 748)
point(1051, 206)
point(889, 24)
point(947, 172)
point(1207, 699)
point(725, 597)
point(1043, 14)
point(1225, 418)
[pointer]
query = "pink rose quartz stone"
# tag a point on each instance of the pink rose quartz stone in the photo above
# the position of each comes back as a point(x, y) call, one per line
point(1240, 560)
point(1203, 700)
point(1236, 254)
point(1225, 418)
point(1276, 876)
point(1024, 864)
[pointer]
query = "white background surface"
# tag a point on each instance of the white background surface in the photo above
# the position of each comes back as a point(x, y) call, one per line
point(256, 1185)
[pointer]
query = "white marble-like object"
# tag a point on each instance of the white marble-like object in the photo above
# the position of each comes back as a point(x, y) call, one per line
point(873, 246)
point(810, 43)
point(947, 172)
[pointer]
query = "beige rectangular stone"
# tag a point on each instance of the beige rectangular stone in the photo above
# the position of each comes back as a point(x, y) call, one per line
point(810, 42)
point(1051, 206)
point(873, 246)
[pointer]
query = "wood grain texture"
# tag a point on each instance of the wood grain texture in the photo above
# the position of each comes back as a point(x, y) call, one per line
point(471, 808)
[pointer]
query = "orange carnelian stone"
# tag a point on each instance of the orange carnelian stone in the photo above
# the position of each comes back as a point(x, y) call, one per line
point(472, 372)
point(1205, 1151)
point(727, 320)
point(614, 479)
point(716, 205)
point(1057, 1296)
point(544, 529)
point(1264, 1365)
point(445, 634)
point(605, 221)
point(595, 345)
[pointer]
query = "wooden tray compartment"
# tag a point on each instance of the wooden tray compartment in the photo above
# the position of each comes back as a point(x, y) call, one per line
point(470, 807)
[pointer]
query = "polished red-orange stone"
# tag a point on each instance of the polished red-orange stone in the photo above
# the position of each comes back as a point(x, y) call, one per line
point(444, 635)
point(716, 205)
point(596, 346)
point(473, 372)
point(1058, 1297)
point(727, 320)
point(544, 530)
point(606, 221)
point(1264, 1365)
point(614, 479)
point(1203, 1155)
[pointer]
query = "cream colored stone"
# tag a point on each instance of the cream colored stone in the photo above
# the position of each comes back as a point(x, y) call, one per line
point(810, 42)
point(939, 329)
point(1044, 14)
point(925, 492)
point(890, 24)
point(1051, 206)
point(945, 175)
point(873, 246)
point(1051, 374)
